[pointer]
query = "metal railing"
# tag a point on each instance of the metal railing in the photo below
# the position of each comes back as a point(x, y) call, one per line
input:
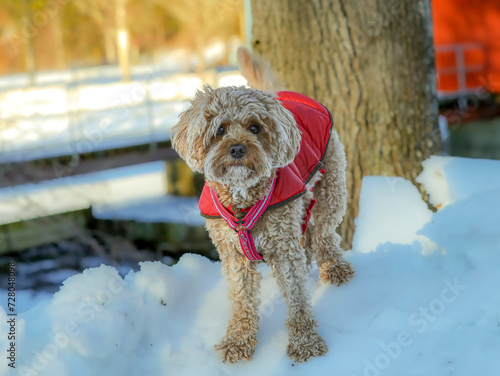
point(461, 68)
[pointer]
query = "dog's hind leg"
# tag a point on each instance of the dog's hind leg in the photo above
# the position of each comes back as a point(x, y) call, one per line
point(331, 193)
point(244, 281)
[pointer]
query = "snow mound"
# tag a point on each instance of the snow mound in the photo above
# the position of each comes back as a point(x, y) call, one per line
point(477, 237)
point(451, 179)
point(390, 210)
point(406, 312)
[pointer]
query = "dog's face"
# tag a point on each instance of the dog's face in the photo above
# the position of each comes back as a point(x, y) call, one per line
point(236, 135)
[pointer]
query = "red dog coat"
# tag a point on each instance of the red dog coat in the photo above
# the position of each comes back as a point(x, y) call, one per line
point(315, 124)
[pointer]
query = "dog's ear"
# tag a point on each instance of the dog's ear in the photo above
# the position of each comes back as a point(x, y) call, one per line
point(287, 134)
point(188, 135)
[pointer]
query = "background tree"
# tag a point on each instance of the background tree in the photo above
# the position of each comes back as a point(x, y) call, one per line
point(56, 28)
point(19, 16)
point(111, 15)
point(372, 64)
point(29, 50)
point(202, 20)
point(78, 33)
point(122, 37)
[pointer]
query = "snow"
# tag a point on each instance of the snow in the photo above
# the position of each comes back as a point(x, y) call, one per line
point(451, 179)
point(137, 192)
point(384, 205)
point(80, 132)
point(26, 299)
point(79, 192)
point(89, 110)
point(408, 311)
point(161, 209)
point(172, 62)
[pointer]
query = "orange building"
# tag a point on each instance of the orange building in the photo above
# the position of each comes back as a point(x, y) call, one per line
point(467, 43)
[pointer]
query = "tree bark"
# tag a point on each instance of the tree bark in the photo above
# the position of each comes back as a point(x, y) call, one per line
point(123, 39)
point(371, 63)
point(109, 44)
point(57, 34)
point(29, 46)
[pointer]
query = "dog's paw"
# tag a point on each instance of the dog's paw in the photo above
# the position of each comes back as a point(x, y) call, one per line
point(233, 348)
point(301, 348)
point(336, 273)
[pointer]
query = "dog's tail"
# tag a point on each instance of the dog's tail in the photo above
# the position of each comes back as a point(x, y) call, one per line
point(256, 71)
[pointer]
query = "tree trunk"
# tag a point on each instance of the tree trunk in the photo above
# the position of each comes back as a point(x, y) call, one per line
point(372, 64)
point(29, 46)
point(123, 39)
point(57, 34)
point(109, 44)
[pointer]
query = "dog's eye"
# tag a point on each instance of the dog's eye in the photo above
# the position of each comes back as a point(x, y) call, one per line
point(254, 128)
point(221, 131)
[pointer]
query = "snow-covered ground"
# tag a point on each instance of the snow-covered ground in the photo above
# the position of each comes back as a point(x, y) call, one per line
point(44, 122)
point(47, 136)
point(137, 192)
point(178, 60)
point(424, 300)
point(159, 209)
point(98, 189)
point(173, 63)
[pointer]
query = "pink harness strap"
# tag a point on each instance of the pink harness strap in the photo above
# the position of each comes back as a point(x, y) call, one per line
point(243, 227)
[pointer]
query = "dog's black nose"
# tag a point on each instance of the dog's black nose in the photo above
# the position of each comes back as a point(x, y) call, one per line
point(237, 151)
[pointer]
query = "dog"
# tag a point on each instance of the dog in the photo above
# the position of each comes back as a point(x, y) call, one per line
point(276, 153)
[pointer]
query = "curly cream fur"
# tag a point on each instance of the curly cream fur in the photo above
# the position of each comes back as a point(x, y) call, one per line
point(277, 234)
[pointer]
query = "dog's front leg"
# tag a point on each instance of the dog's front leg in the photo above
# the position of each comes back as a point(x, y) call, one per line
point(289, 268)
point(287, 260)
point(244, 282)
point(243, 279)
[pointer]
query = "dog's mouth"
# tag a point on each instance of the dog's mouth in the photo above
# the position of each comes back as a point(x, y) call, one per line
point(236, 166)
point(242, 162)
